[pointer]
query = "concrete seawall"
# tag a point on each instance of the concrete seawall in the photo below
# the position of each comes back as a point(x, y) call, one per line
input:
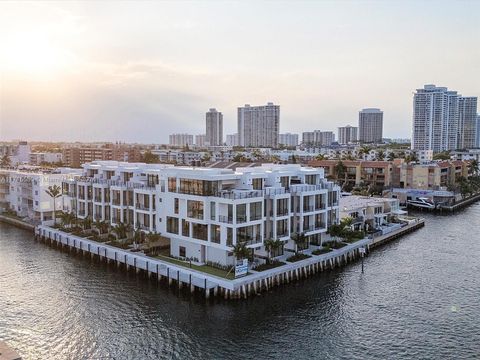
point(16, 222)
point(210, 285)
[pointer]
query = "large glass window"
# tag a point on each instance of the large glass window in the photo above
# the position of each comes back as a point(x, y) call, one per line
point(199, 231)
point(282, 207)
point(198, 187)
point(172, 184)
point(185, 228)
point(215, 234)
point(282, 228)
point(176, 205)
point(229, 236)
point(195, 209)
point(241, 213)
point(172, 225)
point(212, 211)
point(255, 211)
point(257, 184)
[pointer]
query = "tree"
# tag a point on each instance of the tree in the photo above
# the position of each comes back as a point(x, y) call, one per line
point(54, 192)
point(5, 162)
point(340, 172)
point(391, 156)
point(150, 158)
point(320, 157)
point(474, 169)
point(102, 226)
point(121, 230)
point(300, 241)
point(240, 251)
point(67, 219)
point(380, 155)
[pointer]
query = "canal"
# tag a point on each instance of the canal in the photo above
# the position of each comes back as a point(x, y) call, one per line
point(418, 298)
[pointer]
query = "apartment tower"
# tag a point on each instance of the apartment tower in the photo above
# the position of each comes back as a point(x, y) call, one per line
point(214, 126)
point(370, 125)
point(258, 126)
point(347, 134)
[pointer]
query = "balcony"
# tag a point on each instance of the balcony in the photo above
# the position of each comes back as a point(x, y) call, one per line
point(225, 219)
point(308, 208)
point(254, 240)
point(239, 194)
point(139, 206)
point(116, 202)
point(98, 199)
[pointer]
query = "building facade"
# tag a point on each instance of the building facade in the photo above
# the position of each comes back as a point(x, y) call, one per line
point(180, 140)
point(318, 138)
point(200, 140)
point(370, 125)
point(443, 120)
point(205, 212)
point(288, 139)
point(347, 134)
point(258, 126)
point(214, 128)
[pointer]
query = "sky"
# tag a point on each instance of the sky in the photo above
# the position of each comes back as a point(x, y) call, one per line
point(138, 71)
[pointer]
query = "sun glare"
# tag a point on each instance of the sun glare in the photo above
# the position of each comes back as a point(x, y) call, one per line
point(33, 54)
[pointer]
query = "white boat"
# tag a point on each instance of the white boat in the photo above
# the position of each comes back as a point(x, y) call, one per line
point(423, 203)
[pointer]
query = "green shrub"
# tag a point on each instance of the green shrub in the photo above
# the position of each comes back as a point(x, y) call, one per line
point(298, 257)
point(321, 251)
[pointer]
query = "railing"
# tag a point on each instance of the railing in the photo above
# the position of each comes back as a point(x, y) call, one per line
point(241, 219)
point(255, 240)
point(139, 206)
point(308, 208)
point(116, 202)
point(239, 194)
point(276, 191)
point(225, 219)
point(283, 212)
point(98, 199)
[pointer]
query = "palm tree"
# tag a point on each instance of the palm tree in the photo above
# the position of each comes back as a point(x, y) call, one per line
point(340, 172)
point(121, 230)
point(320, 157)
point(391, 156)
point(67, 219)
point(54, 192)
point(380, 155)
point(240, 251)
point(474, 168)
point(102, 226)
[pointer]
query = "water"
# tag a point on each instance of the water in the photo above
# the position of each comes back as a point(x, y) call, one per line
point(418, 298)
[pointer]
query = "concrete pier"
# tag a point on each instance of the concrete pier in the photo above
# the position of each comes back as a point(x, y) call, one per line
point(185, 277)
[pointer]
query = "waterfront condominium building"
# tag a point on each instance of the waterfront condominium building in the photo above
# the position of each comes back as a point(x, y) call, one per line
point(347, 134)
point(232, 140)
point(442, 119)
point(318, 138)
point(181, 140)
point(370, 125)
point(258, 126)
point(467, 122)
point(205, 212)
point(288, 139)
point(214, 126)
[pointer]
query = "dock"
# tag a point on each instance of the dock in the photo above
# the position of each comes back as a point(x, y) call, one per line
point(210, 285)
point(7, 353)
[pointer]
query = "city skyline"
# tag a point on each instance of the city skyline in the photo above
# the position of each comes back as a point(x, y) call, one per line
point(69, 68)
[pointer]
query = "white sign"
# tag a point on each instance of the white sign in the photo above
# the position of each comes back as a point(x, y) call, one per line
point(241, 268)
point(362, 251)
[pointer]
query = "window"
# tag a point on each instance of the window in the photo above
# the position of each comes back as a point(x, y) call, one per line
point(185, 228)
point(282, 228)
point(319, 203)
point(257, 184)
point(229, 236)
point(255, 211)
point(212, 211)
point(282, 207)
point(199, 231)
point(215, 234)
point(241, 213)
point(182, 252)
point(195, 209)
point(172, 184)
point(249, 234)
point(198, 187)
point(310, 179)
point(176, 205)
point(172, 225)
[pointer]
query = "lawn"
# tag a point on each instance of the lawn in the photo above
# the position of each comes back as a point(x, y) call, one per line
point(203, 268)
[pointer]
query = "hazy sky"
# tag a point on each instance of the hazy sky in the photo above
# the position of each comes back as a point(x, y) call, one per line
point(137, 71)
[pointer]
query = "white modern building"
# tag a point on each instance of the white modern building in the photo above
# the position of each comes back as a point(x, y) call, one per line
point(24, 192)
point(206, 211)
point(181, 140)
point(443, 120)
point(288, 139)
point(478, 131)
point(258, 126)
point(214, 128)
point(347, 134)
point(39, 158)
point(370, 125)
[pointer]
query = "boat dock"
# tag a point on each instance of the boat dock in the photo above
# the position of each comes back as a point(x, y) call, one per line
point(214, 286)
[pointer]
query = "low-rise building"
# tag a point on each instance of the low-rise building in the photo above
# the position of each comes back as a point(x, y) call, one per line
point(207, 211)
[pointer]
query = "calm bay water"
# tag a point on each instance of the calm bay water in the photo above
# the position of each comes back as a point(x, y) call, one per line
point(418, 298)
